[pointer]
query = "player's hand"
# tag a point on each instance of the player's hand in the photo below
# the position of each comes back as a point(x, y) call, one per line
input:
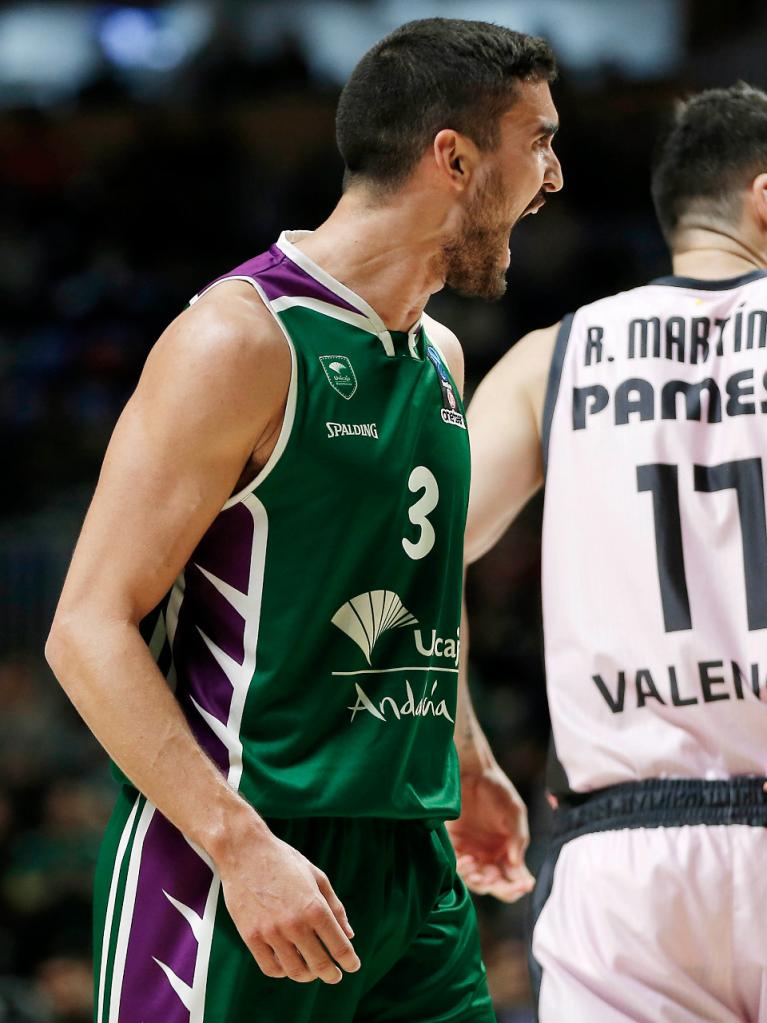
point(491, 835)
point(286, 911)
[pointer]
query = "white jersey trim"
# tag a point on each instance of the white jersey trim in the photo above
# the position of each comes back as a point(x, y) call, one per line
point(377, 326)
point(327, 309)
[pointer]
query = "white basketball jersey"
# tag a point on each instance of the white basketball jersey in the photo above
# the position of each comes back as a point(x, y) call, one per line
point(655, 542)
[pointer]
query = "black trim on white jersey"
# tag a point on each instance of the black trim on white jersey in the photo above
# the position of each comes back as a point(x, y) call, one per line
point(696, 285)
point(552, 388)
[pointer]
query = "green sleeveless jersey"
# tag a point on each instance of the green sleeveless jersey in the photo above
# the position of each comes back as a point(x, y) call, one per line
point(313, 638)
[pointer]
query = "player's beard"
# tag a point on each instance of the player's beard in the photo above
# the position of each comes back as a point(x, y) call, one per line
point(476, 261)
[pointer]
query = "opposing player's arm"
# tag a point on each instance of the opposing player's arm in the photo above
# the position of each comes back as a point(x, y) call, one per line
point(491, 835)
point(505, 422)
point(209, 403)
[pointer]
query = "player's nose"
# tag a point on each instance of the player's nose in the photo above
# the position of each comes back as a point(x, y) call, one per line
point(553, 179)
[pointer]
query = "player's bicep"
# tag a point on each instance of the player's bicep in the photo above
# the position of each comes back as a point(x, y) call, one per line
point(173, 460)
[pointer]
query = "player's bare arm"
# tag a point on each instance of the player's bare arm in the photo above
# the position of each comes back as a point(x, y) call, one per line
point(505, 424)
point(491, 835)
point(505, 420)
point(203, 419)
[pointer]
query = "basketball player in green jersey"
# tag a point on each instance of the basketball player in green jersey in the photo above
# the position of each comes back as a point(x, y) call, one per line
point(261, 622)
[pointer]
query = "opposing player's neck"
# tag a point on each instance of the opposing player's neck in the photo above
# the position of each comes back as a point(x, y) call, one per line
point(386, 252)
point(710, 253)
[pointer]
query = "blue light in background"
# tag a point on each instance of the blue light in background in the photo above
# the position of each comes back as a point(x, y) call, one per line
point(155, 39)
point(50, 50)
point(45, 51)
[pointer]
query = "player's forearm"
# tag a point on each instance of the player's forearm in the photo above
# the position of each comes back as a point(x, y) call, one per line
point(108, 673)
point(474, 751)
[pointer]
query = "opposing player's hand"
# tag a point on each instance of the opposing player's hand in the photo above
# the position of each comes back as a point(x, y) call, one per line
point(286, 911)
point(491, 835)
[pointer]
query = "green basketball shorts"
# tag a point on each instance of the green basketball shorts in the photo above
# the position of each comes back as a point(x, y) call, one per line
point(166, 950)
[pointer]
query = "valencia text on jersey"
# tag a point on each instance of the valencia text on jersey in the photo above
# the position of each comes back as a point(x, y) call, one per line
point(709, 682)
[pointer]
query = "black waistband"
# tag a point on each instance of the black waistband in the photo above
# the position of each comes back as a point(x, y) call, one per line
point(663, 802)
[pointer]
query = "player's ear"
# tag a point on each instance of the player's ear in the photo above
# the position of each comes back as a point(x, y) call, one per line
point(758, 196)
point(455, 157)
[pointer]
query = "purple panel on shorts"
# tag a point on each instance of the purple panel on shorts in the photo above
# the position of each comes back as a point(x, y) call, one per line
point(278, 275)
point(158, 930)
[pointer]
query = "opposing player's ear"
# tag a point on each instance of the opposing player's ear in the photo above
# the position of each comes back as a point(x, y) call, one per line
point(759, 199)
point(455, 157)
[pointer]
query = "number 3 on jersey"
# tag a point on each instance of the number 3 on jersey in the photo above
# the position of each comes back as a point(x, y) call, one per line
point(423, 479)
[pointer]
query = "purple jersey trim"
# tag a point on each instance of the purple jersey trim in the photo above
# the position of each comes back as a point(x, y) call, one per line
point(159, 931)
point(278, 276)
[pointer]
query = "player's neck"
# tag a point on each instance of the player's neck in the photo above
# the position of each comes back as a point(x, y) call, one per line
point(387, 254)
point(708, 254)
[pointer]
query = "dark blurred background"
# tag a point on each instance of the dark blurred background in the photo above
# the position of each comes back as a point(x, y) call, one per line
point(144, 150)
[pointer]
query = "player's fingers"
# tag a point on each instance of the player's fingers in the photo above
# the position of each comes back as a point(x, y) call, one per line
point(267, 961)
point(481, 885)
point(515, 852)
point(509, 891)
point(336, 906)
point(484, 874)
point(465, 864)
point(317, 958)
point(292, 963)
point(512, 884)
point(329, 932)
point(517, 873)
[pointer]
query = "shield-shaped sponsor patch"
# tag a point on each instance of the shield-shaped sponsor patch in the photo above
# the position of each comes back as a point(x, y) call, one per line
point(340, 373)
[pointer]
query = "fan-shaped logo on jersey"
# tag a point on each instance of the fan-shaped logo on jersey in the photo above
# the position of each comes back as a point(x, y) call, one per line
point(367, 616)
point(340, 373)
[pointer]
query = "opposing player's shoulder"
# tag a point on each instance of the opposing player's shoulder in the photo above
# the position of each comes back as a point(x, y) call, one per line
point(449, 346)
point(525, 366)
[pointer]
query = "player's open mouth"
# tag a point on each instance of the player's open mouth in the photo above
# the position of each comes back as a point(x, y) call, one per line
point(534, 206)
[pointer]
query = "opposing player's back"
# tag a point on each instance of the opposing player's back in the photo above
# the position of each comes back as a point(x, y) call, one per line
point(655, 619)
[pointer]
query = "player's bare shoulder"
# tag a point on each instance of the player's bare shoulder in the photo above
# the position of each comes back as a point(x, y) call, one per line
point(449, 346)
point(231, 325)
point(226, 354)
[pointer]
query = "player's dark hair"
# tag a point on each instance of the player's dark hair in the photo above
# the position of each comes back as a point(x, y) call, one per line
point(713, 149)
point(428, 75)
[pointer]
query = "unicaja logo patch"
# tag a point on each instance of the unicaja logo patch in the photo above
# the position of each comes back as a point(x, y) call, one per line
point(366, 617)
point(340, 374)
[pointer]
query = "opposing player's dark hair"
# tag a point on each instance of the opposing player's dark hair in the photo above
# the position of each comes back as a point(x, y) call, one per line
point(713, 148)
point(427, 75)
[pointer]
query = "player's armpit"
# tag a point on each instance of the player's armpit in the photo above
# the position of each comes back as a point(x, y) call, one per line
point(504, 420)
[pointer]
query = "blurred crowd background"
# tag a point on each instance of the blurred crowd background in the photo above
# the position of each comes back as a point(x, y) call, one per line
point(144, 150)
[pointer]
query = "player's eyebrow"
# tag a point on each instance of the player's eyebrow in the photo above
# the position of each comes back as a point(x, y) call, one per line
point(549, 128)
